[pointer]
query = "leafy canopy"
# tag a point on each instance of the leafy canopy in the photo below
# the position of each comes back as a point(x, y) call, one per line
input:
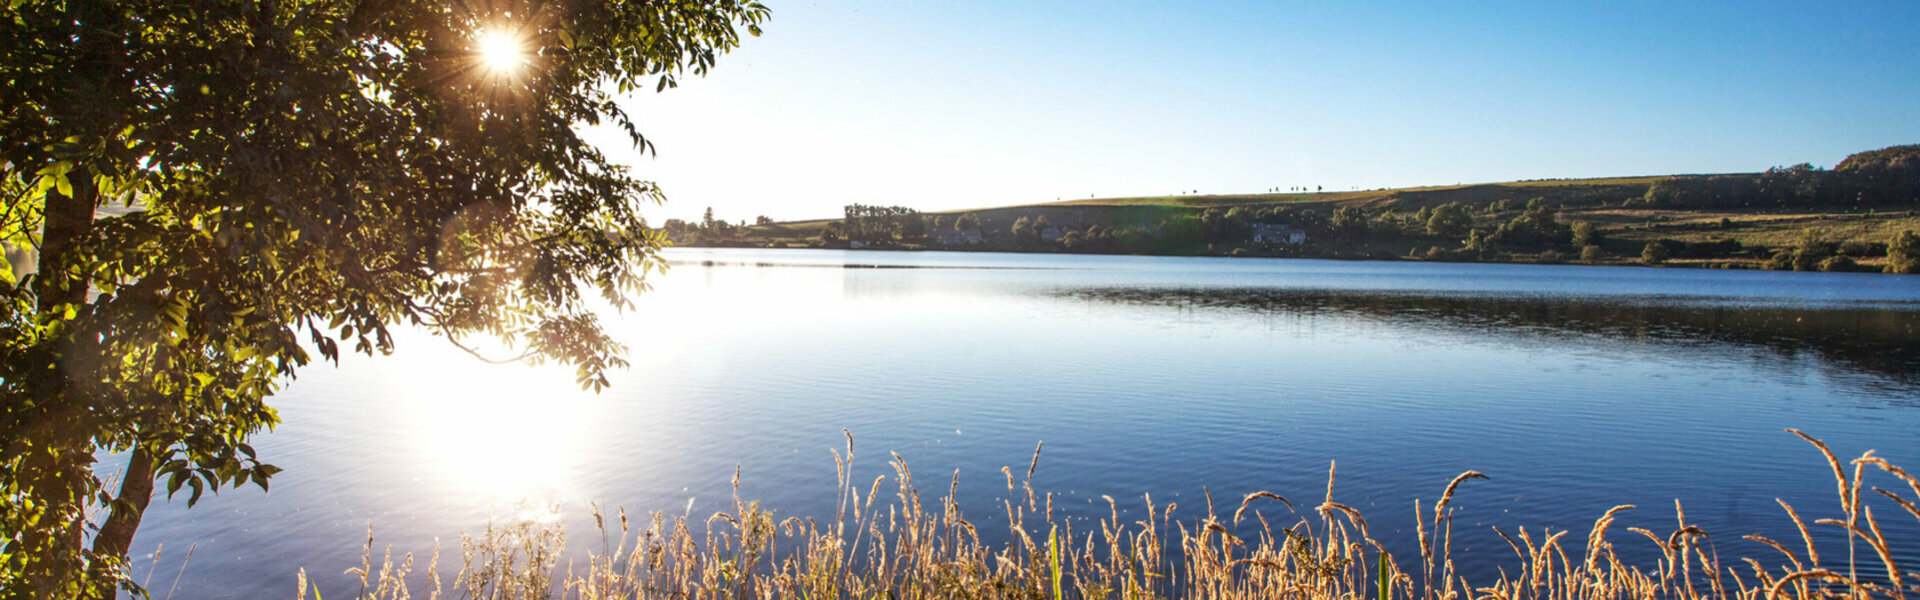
point(290, 171)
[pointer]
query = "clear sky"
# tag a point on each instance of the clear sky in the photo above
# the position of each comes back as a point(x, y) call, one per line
point(956, 104)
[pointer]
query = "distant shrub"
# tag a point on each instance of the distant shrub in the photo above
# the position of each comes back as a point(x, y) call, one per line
point(1903, 253)
point(1811, 251)
point(1857, 248)
point(1782, 260)
point(1655, 252)
point(1839, 264)
point(1584, 234)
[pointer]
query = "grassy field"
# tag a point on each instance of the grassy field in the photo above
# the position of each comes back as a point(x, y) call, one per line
point(1759, 229)
point(888, 540)
point(1149, 210)
point(1608, 203)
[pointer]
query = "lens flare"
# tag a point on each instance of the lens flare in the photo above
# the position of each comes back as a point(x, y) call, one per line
point(501, 52)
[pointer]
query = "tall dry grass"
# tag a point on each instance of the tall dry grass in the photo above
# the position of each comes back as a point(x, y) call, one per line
point(907, 547)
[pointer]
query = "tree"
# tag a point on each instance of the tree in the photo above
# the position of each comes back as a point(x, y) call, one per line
point(1584, 234)
point(1885, 176)
point(1534, 228)
point(325, 170)
point(1023, 231)
point(1350, 220)
point(966, 221)
point(1449, 220)
point(1839, 264)
point(866, 222)
point(1478, 245)
point(1810, 250)
point(910, 225)
point(1181, 232)
point(1655, 252)
point(1903, 253)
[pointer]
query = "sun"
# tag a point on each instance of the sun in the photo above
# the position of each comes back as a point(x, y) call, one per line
point(500, 52)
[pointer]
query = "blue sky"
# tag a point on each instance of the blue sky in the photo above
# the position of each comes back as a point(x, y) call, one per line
point(943, 105)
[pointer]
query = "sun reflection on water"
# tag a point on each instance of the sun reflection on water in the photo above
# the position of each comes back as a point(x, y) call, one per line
point(508, 433)
point(506, 436)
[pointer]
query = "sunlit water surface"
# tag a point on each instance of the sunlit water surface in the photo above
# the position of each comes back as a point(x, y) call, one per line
point(1575, 388)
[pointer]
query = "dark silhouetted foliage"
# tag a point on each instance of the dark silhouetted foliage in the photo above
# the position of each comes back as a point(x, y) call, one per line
point(296, 176)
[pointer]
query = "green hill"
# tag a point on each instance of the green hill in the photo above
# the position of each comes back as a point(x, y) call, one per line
point(1843, 218)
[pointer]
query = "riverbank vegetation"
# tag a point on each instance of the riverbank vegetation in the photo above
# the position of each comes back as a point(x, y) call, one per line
point(1854, 217)
point(1260, 545)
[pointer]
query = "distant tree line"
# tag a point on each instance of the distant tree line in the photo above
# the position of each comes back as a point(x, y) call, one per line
point(871, 223)
point(1502, 230)
point(1885, 177)
point(1479, 225)
point(706, 230)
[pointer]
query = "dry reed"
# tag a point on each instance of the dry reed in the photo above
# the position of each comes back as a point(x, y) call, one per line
point(907, 548)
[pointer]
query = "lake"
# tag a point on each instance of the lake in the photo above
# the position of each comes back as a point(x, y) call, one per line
point(1575, 388)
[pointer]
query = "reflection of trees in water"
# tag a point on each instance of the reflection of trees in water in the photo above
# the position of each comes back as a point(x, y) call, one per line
point(1881, 341)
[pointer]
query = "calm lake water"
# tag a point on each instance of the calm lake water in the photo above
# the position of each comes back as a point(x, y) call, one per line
point(1575, 388)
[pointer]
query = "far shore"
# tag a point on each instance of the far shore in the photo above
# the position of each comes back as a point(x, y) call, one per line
point(1861, 216)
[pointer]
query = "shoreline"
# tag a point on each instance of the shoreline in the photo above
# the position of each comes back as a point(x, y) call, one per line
point(1694, 264)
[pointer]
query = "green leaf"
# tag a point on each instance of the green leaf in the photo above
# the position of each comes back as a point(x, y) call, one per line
point(1053, 556)
point(1385, 581)
point(222, 224)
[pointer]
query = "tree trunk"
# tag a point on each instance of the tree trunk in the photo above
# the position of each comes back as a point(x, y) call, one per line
point(136, 491)
point(68, 221)
point(54, 544)
point(58, 459)
point(58, 441)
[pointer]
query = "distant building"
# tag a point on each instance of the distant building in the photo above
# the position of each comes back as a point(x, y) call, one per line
point(857, 244)
point(958, 237)
point(1270, 233)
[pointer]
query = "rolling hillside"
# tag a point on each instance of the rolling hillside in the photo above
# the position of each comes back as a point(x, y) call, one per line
point(1740, 219)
